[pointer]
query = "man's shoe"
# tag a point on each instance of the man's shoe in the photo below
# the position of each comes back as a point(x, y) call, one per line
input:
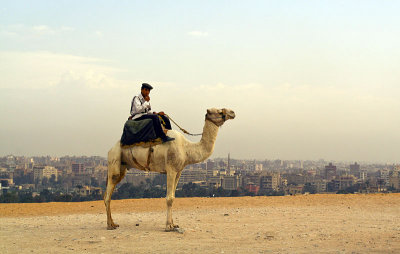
point(168, 139)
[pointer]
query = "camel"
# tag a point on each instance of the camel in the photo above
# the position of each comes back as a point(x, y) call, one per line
point(169, 158)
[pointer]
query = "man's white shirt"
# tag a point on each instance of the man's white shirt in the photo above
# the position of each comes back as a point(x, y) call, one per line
point(139, 106)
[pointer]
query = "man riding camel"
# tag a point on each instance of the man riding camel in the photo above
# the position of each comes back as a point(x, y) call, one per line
point(140, 109)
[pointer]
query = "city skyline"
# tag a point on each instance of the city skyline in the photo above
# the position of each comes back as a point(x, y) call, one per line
point(307, 80)
point(227, 157)
point(84, 176)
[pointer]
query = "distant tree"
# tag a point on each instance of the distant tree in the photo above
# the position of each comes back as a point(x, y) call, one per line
point(39, 199)
point(234, 193)
point(351, 189)
point(94, 182)
point(187, 190)
point(136, 192)
point(192, 190)
point(47, 195)
point(123, 191)
point(148, 181)
point(308, 187)
point(52, 180)
point(9, 197)
point(66, 198)
point(159, 179)
point(220, 192)
point(271, 193)
point(4, 183)
point(45, 181)
point(26, 178)
point(200, 192)
point(25, 197)
point(248, 193)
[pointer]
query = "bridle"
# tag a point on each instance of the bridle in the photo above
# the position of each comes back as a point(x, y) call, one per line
point(222, 115)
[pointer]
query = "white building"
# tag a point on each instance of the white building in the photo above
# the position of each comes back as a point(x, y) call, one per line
point(47, 171)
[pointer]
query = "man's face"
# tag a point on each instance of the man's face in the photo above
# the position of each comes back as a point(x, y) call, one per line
point(145, 92)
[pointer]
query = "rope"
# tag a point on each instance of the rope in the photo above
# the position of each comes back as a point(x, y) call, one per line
point(183, 130)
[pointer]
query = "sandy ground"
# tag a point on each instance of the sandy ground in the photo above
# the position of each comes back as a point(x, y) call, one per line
point(292, 224)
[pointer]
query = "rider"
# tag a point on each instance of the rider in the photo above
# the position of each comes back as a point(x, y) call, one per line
point(140, 109)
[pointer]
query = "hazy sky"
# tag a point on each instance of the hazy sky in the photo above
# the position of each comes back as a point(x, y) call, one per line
point(307, 79)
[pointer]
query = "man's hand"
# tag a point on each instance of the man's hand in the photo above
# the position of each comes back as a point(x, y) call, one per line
point(147, 98)
point(159, 113)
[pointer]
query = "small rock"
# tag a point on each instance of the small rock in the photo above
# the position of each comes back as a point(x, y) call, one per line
point(137, 224)
point(226, 214)
point(179, 230)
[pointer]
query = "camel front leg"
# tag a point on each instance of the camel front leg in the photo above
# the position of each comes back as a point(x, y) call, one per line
point(171, 176)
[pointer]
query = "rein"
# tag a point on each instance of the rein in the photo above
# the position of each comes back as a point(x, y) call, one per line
point(207, 118)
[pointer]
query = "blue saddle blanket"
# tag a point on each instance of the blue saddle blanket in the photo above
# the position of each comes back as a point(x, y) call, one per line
point(138, 131)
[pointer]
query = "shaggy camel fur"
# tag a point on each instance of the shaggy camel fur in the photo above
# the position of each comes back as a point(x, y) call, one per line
point(169, 158)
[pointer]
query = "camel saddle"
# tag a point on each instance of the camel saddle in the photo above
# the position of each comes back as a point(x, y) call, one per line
point(139, 133)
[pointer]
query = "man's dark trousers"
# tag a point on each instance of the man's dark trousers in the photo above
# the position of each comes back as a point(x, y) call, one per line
point(157, 124)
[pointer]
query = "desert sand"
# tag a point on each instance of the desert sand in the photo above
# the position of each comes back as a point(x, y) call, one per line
point(326, 223)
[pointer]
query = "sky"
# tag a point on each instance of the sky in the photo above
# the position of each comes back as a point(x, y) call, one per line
point(307, 79)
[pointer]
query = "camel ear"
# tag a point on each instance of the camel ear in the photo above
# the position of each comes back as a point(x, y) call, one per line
point(208, 111)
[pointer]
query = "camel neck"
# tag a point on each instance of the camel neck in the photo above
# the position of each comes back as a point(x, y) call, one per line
point(200, 151)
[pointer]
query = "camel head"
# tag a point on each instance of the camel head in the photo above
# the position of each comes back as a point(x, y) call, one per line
point(219, 116)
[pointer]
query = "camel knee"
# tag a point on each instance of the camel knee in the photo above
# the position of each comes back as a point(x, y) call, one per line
point(115, 179)
point(170, 200)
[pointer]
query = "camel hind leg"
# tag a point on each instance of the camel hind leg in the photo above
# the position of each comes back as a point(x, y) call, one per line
point(116, 173)
point(171, 186)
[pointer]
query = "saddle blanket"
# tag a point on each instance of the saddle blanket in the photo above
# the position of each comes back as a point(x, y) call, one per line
point(138, 133)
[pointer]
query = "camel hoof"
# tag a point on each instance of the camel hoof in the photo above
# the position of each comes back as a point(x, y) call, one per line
point(175, 228)
point(112, 226)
